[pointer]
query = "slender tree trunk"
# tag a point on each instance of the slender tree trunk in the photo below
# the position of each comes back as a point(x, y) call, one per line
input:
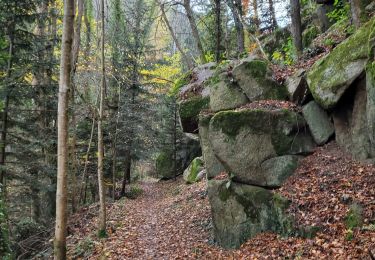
point(174, 37)
point(35, 196)
point(236, 9)
point(84, 174)
point(114, 153)
point(194, 30)
point(355, 6)
point(218, 30)
point(102, 214)
point(175, 138)
point(273, 14)
point(4, 116)
point(75, 53)
point(256, 16)
point(296, 26)
point(62, 131)
point(126, 171)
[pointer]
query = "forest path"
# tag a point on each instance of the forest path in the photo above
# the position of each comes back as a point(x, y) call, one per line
point(170, 220)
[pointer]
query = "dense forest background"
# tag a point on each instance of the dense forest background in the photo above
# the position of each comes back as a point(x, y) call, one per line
point(145, 50)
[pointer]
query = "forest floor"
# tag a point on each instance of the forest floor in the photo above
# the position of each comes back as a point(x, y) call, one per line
point(171, 220)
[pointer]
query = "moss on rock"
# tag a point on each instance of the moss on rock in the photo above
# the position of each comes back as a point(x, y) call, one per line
point(191, 173)
point(260, 121)
point(332, 75)
point(164, 164)
point(254, 77)
point(190, 108)
point(180, 82)
point(242, 211)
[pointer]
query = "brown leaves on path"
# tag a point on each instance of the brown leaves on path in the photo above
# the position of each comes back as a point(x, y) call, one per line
point(171, 220)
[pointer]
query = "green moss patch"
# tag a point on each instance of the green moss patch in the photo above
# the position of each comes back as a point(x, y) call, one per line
point(164, 164)
point(180, 82)
point(334, 72)
point(194, 168)
point(258, 120)
point(190, 108)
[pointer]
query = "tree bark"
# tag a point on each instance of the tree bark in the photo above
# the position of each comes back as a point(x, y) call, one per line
point(62, 132)
point(256, 16)
point(296, 26)
point(84, 174)
point(273, 14)
point(174, 37)
point(236, 9)
point(75, 53)
point(102, 213)
point(355, 6)
point(194, 30)
point(218, 30)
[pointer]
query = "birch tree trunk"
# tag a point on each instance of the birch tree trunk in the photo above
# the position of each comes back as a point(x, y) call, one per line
point(102, 213)
point(62, 132)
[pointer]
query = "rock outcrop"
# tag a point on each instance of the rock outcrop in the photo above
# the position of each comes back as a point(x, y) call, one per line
point(244, 139)
point(212, 164)
point(258, 141)
point(187, 149)
point(331, 76)
point(319, 122)
point(241, 211)
point(191, 172)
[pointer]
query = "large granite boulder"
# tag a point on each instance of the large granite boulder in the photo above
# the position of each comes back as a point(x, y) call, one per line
point(319, 123)
point(332, 75)
point(244, 139)
point(189, 110)
point(212, 164)
point(370, 106)
point(164, 164)
point(254, 77)
point(194, 96)
point(191, 172)
point(241, 211)
point(353, 121)
point(225, 94)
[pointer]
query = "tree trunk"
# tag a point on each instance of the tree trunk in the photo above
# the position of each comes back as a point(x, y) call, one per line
point(126, 171)
point(296, 26)
point(75, 53)
point(273, 14)
point(256, 16)
point(62, 131)
point(218, 30)
point(194, 30)
point(236, 9)
point(355, 6)
point(174, 37)
point(102, 214)
point(84, 174)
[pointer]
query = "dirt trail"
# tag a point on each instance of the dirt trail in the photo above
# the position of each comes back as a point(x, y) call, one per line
point(171, 220)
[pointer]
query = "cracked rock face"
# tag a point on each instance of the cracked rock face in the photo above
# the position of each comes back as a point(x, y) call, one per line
point(246, 140)
point(241, 211)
